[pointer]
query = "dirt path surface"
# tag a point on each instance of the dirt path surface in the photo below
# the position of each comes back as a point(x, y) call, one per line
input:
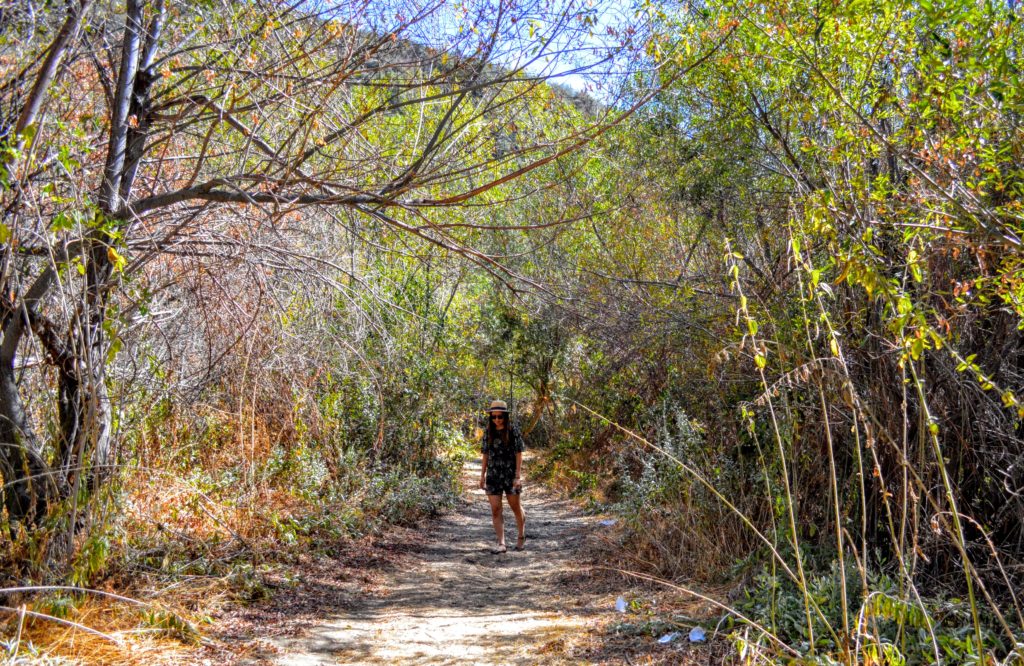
point(456, 603)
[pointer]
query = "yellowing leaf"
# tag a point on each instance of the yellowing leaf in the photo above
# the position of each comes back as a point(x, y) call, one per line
point(116, 259)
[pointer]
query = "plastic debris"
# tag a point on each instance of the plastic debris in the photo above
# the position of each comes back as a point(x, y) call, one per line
point(608, 522)
point(697, 635)
point(620, 605)
point(668, 638)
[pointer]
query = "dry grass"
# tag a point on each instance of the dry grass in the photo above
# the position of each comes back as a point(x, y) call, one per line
point(687, 534)
point(118, 634)
point(196, 550)
point(180, 552)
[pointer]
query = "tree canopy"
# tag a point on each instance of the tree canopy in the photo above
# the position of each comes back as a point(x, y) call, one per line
point(756, 289)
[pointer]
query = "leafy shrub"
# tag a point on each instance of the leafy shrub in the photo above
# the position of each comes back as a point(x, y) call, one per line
point(887, 628)
point(673, 518)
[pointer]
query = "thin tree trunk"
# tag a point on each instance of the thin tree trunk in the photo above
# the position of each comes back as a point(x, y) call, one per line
point(28, 480)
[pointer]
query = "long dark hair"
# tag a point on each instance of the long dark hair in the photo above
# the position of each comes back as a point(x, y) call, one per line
point(493, 432)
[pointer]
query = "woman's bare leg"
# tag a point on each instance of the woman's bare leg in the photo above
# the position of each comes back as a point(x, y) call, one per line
point(496, 518)
point(517, 509)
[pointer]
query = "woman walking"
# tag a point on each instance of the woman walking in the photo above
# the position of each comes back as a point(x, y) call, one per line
point(501, 472)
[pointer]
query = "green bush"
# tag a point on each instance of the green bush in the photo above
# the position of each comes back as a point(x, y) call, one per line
point(888, 628)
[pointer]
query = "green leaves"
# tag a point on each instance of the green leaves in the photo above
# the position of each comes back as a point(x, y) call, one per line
point(66, 221)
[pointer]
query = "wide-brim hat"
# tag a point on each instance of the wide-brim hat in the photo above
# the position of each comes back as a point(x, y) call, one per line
point(497, 406)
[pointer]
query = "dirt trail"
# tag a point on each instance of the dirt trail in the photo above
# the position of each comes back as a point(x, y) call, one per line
point(459, 604)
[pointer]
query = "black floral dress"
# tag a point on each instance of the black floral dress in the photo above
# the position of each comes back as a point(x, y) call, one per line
point(501, 463)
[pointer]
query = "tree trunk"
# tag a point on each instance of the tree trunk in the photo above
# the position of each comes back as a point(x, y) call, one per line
point(29, 483)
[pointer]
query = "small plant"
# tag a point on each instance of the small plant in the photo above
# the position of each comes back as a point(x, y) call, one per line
point(172, 624)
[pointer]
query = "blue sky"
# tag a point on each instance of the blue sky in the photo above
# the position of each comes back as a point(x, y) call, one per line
point(549, 37)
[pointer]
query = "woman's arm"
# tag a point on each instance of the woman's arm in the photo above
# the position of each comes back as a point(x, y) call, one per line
point(483, 471)
point(519, 469)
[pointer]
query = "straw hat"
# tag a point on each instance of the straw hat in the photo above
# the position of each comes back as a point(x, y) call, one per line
point(498, 406)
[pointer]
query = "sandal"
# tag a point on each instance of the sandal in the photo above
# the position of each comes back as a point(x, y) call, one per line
point(499, 549)
point(521, 543)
